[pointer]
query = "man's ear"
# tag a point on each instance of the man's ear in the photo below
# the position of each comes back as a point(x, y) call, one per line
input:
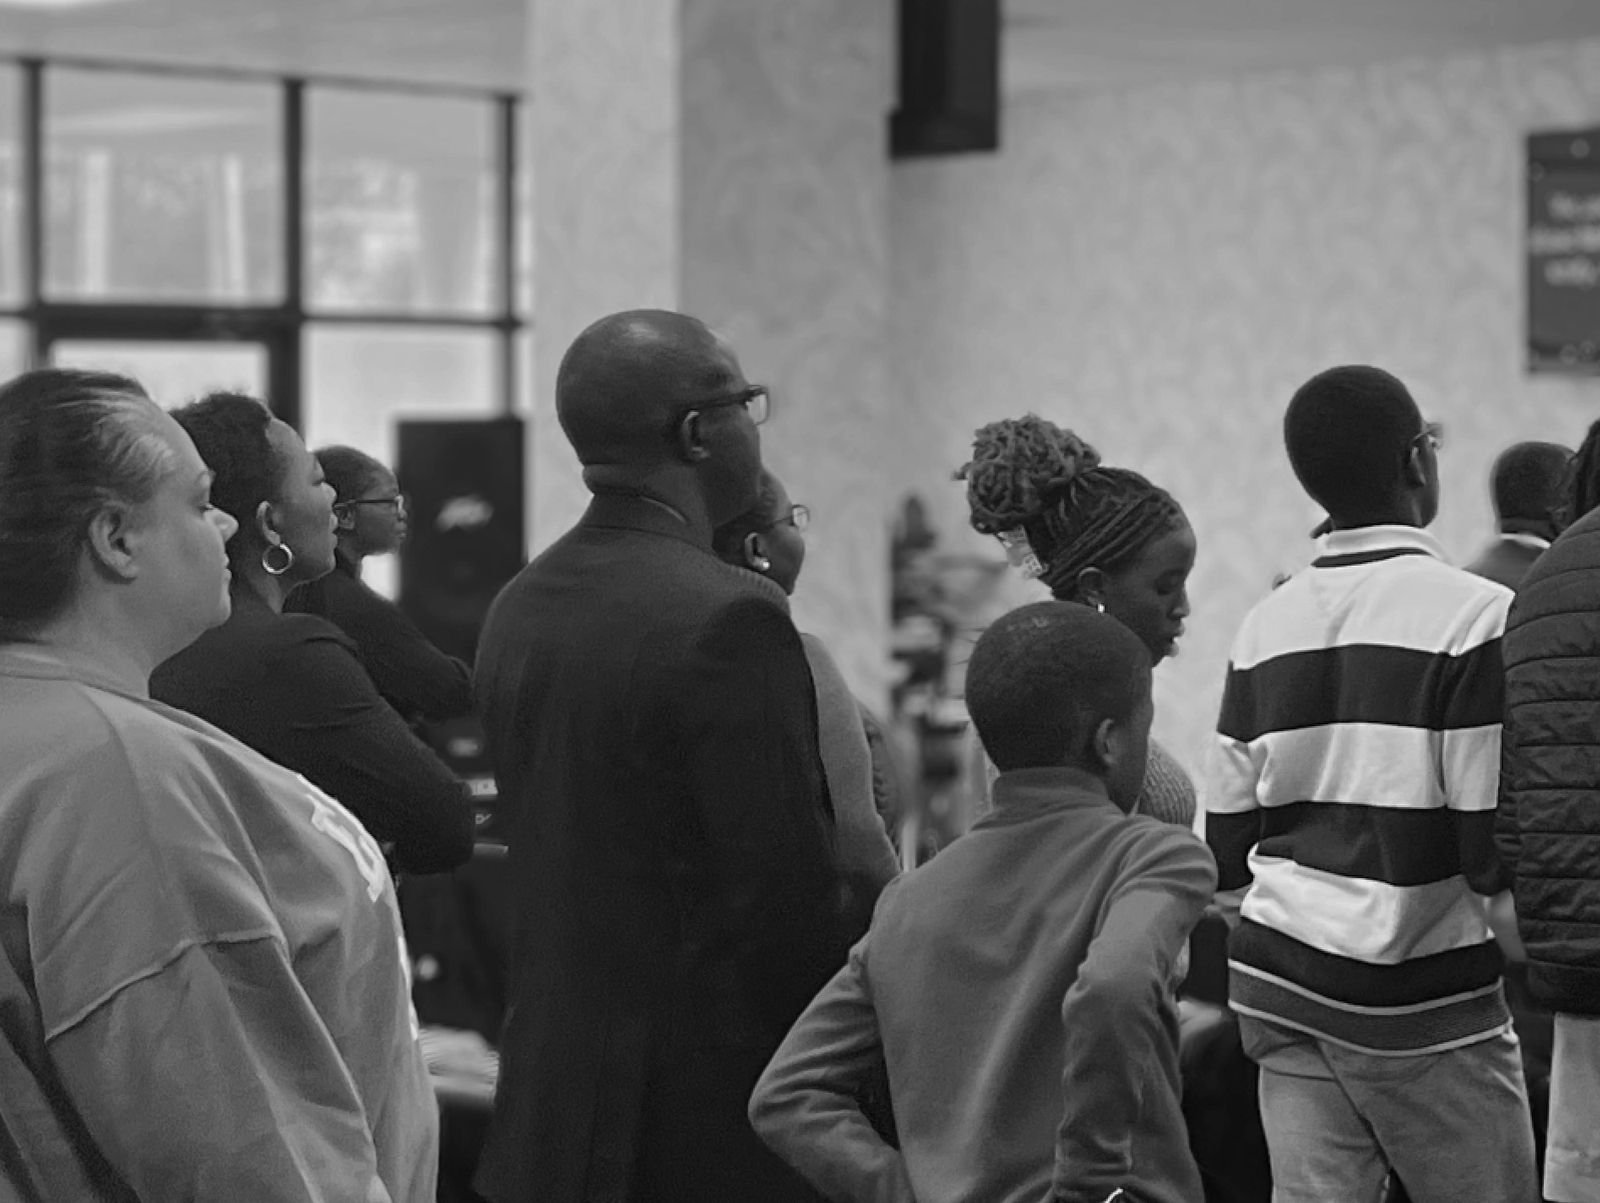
point(1413, 470)
point(690, 446)
point(345, 515)
point(113, 541)
point(1106, 745)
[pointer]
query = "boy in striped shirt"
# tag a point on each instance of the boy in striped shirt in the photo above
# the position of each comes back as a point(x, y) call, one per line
point(1351, 811)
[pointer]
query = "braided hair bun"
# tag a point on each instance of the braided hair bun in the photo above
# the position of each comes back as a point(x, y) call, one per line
point(1030, 474)
point(1018, 467)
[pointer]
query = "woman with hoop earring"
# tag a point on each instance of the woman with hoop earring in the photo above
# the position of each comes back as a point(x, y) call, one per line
point(292, 685)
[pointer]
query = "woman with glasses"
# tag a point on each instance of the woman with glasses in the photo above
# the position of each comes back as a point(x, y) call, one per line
point(203, 988)
point(769, 540)
point(416, 678)
point(292, 686)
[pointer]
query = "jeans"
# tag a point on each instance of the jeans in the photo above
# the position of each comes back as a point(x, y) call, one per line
point(1572, 1156)
point(1453, 1126)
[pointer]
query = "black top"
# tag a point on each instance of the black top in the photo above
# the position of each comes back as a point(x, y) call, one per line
point(291, 687)
point(653, 728)
point(416, 678)
point(1548, 822)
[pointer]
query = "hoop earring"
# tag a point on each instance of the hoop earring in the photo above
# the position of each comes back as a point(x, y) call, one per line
point(266, 559)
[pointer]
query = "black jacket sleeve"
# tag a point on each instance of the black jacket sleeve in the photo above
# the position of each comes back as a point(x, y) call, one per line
point(356, 747)
point(749, 729)
point(416, 678)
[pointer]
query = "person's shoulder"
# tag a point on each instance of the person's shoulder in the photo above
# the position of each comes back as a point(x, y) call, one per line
point(1471, 606)
point(294, 635)
point(1151, 845)
point(1450, 579)
point(151, 759)
point(1571, 557)
point(702, 592)
point(67, 719)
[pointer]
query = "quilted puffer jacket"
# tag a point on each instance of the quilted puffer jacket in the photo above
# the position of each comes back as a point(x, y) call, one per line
point(1549, 820)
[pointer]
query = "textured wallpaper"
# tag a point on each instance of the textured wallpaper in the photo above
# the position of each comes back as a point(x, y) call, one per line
point(1161, 268)
point(785, 251)
point(740, 175)
point(605, 169)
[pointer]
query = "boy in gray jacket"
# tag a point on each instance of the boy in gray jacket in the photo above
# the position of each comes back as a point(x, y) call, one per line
point(1020, 987)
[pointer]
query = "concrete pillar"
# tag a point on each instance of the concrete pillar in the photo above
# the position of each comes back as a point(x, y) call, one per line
point(728, 158)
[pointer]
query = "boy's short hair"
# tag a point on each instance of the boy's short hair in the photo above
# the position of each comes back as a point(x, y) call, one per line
point(1526, 480)
point(1043, 678)
point(1346, 431)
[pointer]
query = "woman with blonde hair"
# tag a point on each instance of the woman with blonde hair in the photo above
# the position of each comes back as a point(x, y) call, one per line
point(203, 985)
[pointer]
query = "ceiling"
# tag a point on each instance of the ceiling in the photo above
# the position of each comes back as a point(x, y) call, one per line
point(1048, 43)
point(476, 43)
point(1120, 43)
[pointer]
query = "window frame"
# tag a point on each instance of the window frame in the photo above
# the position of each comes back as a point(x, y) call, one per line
point(281, 326)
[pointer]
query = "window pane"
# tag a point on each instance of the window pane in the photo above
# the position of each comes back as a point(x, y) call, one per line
point(11, 283)
point(362, 380)
point(162, 189)
point(13, 348)
point(402, 203)
point(173, 373)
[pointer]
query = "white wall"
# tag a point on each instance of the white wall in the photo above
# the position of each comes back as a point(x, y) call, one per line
point(1161, 268)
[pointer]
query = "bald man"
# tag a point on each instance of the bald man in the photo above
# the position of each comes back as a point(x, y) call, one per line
point(652, 725)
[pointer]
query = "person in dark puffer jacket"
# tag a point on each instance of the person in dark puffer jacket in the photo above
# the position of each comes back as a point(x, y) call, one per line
point(1549, 818)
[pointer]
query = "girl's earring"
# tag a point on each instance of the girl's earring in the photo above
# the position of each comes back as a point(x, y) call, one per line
point(752, 552)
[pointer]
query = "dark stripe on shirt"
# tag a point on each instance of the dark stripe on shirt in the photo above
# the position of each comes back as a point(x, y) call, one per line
point(1459, 1021)
point(1346, 980)
point(1379, 843)
point(1351, 558)
point(1364, 683)
point(1230, 837)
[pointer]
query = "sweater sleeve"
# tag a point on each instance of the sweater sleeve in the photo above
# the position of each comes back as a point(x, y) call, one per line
point(416, 677)
point(241, 1093)
point(865, 853)
point(353, 745)
point(1471, 704)
point(1114, 1016)
point(1233, 811)
point(747, 723)
point(805, 1107)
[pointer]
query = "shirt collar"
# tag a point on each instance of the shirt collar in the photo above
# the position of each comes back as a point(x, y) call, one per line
point(1368, 544)
point(1024, 793)
point(629, 511)
point(1523, 539)
point(44, 664)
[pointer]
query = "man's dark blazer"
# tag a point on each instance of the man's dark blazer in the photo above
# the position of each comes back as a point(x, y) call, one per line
point(652, 724)
point(1505, 561)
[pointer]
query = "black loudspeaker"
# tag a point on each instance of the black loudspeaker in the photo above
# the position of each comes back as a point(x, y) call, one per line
point(463, 482)
point(949, 78)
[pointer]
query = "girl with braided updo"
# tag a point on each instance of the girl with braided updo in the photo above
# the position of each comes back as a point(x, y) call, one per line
point(1101, 536)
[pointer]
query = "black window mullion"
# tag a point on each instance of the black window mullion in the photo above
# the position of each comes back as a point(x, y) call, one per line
point(32, 166)
point(287, 377)
point(506, 211)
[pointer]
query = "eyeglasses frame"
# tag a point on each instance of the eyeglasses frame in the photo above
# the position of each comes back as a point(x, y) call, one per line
point(799, 517)
point(397, 503)
point(743, 397)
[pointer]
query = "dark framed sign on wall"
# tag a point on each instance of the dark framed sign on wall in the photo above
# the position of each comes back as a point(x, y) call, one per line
point(1563, 252)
